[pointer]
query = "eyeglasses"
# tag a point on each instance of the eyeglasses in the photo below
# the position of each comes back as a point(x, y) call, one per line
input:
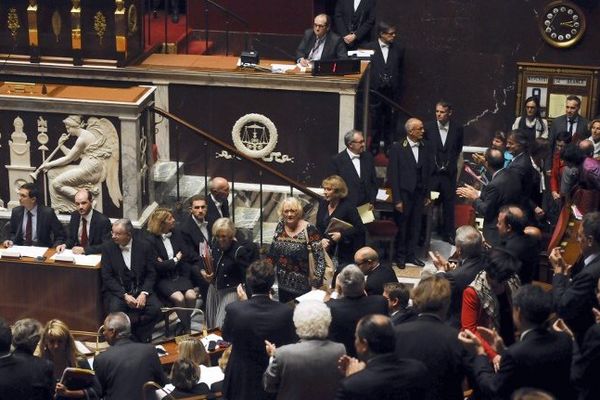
point(320, 25)
point(390, 33)
point(358, 141)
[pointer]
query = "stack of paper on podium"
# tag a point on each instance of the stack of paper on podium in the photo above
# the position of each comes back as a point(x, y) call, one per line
point(90, 260)
point(25, 251)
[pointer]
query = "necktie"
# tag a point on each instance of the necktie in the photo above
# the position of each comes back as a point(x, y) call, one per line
point(28, 229)
point(84, 235)
point(166, 235)
point(314, 49)
point(571, 122)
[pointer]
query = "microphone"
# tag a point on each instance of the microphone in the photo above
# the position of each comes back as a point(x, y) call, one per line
point(272, 47)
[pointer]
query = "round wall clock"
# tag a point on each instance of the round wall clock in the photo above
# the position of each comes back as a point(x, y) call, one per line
point(562, 24)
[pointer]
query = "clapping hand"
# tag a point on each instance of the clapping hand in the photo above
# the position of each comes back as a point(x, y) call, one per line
point(270, 348)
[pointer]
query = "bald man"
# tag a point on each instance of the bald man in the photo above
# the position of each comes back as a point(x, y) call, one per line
point(377, 275)
point(218, 206)
point(409, 172)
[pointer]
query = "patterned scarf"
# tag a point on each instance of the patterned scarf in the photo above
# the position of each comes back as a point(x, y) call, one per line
point(487, 297)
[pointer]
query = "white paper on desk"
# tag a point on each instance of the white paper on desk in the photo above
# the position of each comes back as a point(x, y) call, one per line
point(382, 195)
point(82, 348)
point(361, 53)
point(312, 295)
point(205, 341)
point(161, 347)
point(90, 260)
point(28, 251)
point(282, 68)
point(210, 375)
point(366, 214)
point(434, 195)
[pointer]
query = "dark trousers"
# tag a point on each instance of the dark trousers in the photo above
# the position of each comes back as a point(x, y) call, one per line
point(446, 185)
point(383, 124)
point(409, 225)
point(142, 321)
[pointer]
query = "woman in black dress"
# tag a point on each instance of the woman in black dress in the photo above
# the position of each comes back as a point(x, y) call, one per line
point(172, 262)
point(341, 243)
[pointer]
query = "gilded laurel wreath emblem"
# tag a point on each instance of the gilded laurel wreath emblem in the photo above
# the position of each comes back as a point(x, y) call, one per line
point(100, 25)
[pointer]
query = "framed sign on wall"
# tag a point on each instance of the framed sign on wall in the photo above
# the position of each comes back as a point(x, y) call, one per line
point(552, 83)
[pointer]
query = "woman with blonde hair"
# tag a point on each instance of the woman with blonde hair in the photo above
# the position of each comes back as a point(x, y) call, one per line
point(192, 349)
point(172, 260)
point(57, 345)
point(294, 238)
point(342, 243)
point(225, 271)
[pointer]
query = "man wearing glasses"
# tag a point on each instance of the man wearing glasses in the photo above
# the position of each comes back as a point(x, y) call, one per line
point(319, 43)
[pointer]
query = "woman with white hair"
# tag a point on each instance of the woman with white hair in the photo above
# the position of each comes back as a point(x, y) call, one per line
point(307, 369)
point(295, 241)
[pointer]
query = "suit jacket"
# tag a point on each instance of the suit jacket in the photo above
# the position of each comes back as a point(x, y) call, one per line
point(247, 325)
point(392, 68)
point(167, 268)
point(459, 279)
point(527, 250)
point(575, 298)
point(193, 235)
point(117, 279)
point(541, 360)
point(212, 213)
point(378, 277)
point(353, 238)
point(16, 378)
point(586, 365)
point(305, 370)
point(346, 312)
point(49, 230)
point(503, 189)
point(445, 155)
point(360, 190)
point(333, 48)
point(404, 174)
point(521, 165)
point(41, 372)
point(386, 378)
point(360, 21)
point(124, 368)
point(429, 340)
point(100, 232)
point(560, 124)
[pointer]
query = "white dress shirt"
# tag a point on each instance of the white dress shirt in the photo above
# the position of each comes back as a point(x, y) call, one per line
point(33, 211)
point(203, 226)
point(355, 158)
point(126, 252)
point(356, 4)
point(414, 146)
point(166, 239)
point(88, 219)
point(444, 132)
point(217, 204)
point(385, 49)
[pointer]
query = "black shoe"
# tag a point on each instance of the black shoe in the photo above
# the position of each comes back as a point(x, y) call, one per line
point(399, 263)
point(415, 261)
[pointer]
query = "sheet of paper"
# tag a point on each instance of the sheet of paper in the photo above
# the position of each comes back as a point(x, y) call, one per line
point(361, 53)
point(27, 251)
point(282, 68)
point(434, 195)
point(366, 214)
point(210, 375)
point(90, 260)
point(82, 348)
point(208, 338)
point(382, 195)
point(312, 295)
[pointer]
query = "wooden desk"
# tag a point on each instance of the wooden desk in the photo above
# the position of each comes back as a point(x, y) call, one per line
point(46, 289)
point(171, 348)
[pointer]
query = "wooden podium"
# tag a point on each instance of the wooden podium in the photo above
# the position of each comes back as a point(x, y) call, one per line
point(105, 32)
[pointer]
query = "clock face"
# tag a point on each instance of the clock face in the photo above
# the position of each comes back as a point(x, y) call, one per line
point(562, 24)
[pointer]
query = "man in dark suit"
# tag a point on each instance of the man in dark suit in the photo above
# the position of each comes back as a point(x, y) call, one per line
point(367, 259)
point(511, 226)
point(88, 228)
point(518, 144)
point(32, 224)
point(570, 122)
point(409, 173)
point(574, 286)
point(541, 359)
point(247, 325)
point(385, 78)
point(218, 206)
point(125, 366)
point(195, 231)
point(586, 365)
point(380, 375)
point(26, 334)
point(16, 375)
point(354, 21)
point(445, 138)
point(319, 43)
point(397, 295)
point(357, 169)
point(504, 188)
point(429, 340)
point(128, 277)
point(469, 251)
point(352, 306)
